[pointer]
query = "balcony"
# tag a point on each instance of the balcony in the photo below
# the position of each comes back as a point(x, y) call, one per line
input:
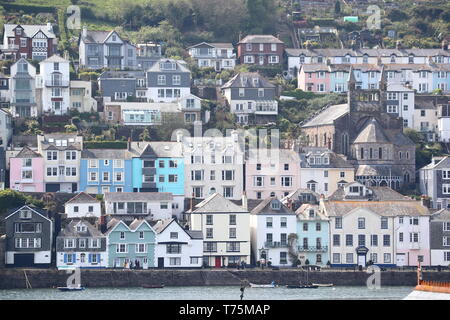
point(54, 83)
point(22, 100)
point(312, 248)
point(11, 47)
point(275, 244)
point(266, 108)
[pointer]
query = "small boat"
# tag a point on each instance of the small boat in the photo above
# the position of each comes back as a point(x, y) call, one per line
point(323, 285)
point(302, 286)
point(78, 288)
point(429, 290)
point(153, 286)
point(254, 285)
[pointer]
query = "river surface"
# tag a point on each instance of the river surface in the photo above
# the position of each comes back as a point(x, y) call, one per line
point(210, 293)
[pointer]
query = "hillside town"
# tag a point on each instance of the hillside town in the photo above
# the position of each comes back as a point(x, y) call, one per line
point(131, 158)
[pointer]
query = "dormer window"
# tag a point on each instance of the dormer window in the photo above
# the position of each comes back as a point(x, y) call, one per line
point(255, 81)
point(347, 58)
point(302, 59)
point(114, 38)
point(393, 58)
point(275, 205)
point(365, 58)
point(411, 58)
point(319, 59)
point(311, 213)
point(81, 228)
point(326, 160)
point(18, 31)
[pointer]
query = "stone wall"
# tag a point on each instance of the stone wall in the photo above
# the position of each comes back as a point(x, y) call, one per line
point(2, 251)
point(47, 278)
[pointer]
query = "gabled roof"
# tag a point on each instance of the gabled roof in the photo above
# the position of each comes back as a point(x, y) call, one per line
point(265, 208)
point(83, 197)
point(227, 45)
point(303, 212)
point(96, 36)
point(29, 30)
point(245, 80)
point(26, 152)
point(55, 58)
point(38, 211)
point(441, 215)
point(216, 203)
point(70, 230)
point(158, 149)
point(259, 38)
point(328, 116)
point(372, 133)
point(180, 66)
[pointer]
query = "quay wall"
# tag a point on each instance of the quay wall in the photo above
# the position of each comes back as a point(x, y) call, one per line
point(48, 278)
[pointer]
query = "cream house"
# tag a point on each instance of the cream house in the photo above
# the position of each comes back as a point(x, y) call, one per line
point(226, 231)
point(81, 96)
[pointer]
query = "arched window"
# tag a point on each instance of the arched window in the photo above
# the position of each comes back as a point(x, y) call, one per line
point(362, 153)
point(380, 153)
point(344, 146)
point(406, 177)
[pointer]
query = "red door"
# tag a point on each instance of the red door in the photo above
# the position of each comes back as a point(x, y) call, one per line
point(218, 262)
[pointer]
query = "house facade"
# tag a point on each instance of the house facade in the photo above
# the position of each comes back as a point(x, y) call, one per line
point(226, 230)
point(62, 154)
point(271, 224)
point(81, 96)
point(177, 247)
point(54, 79)
point(105, 49)
point(168, 80)
point(435, 182)
point(252, 98)
point(213, 55)
point(130, 243)
point(23, 89)
point(83, 205)
point(130, 85)
point(81, 245)
point(26, 171)
point(313, 243)
point(105, 170)
point(29, 238)
point(440, 238)
point(275, 178)
point(5, 94)
point(34, 42)
point(264, 50)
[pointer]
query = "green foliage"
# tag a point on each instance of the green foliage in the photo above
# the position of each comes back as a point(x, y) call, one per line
point(33, 127)
point(10, 199)
point(424, 150)
point(145, 135)
point(70, 128)
point(105, 144)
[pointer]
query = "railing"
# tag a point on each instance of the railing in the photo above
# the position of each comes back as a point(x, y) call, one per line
point(313, 248)
point(53, 83)
point(23, 100)
point(281, 244)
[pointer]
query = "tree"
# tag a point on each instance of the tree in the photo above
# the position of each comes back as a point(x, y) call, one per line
point(145, 135)
point(337, 7)
point(32, 127)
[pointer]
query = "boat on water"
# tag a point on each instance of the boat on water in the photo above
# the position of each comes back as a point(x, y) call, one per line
point(429, 290)
point(302, 286)
point(75, 288)
point(323, 285)
point(153, 286)
point(271, 285)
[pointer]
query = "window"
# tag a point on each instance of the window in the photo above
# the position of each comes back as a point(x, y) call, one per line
point(232, 233)
point(283, 257)
point(349, 258)
point(232, 219)
point(105, 176)
point(387, 258)
point(384, 223)
point(349, 240)
point(400, 237)
point(233, 246)
point(210, 247)
point(71, 155)
point(336, 240)
point(173, 248)
point(386, 240)
point(164, 205)
point(336, 258)
point(228, 192)
point(361, 239)
point(374, 240)
point(338, 223)
point(361, 223)
point(446, 226)
point(413, 237)
point(161, 79)
point(52, 155)
point(122, 235)
point(286, 181)
point(69, 243)
point(269, 222)
point(283, 222)
point(227, 175)
point(305, 226)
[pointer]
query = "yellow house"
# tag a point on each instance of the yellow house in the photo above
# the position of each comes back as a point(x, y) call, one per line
point(226, 231)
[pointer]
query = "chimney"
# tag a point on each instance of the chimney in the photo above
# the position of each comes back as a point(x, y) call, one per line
point(425, 201)
point(103, 225)
point(84, 31)
point(445, 45)
point(129, 144)
point(179, 136)
point(322, 197)
point(398, 45)
point(244, 201)
point(49, 27)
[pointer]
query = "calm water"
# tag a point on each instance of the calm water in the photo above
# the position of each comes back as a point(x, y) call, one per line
point(208, 293)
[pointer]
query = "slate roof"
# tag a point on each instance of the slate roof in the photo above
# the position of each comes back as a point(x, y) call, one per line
point(389, 208)
point(294, 195)
point(372, 133)
point(123, 154)
point(180, 66)
point(27, 153)
point(96, 36)
point(29, 30)
point(256, 38)
point(138, 196)
point(336, 160)
point(159, 149)
point(377, 170)
point(70, 230)
point(328, 116)
point(227, 45)
point(122, 74)
point(438, 163)
point(441, 215)
point(303, 212)
point(216, 203)
point(195, 234)
point(245, 80)
point(54, 58)
point(378, 194)
point(83, 197)
point(329, 52)
point(265, 208)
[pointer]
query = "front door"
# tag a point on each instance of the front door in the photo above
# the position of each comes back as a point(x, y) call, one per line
point(362, 260)
point(218, 263)
point(160, 262)
point(261, 60)
point(401, 259)
point(217, 65)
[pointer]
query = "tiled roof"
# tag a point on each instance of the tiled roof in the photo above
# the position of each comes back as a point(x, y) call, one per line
point(265, 208)
point(328, 116)
point(138, 196)
point(303, 212)
point(55, 58)
point(29, 30)
point(70, 230)
point(389, 208)
point(83, 197)
point(245, 80)
point(256, 38)
point(216, 203)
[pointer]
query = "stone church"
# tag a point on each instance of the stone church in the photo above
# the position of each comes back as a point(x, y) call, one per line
point(371, 138)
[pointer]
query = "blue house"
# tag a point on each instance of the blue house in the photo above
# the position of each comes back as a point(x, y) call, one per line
point(313, 235)
point(105, 170)
point(130, 244)
point(158, 167)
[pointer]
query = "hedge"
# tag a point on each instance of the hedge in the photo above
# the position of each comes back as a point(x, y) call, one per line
point(105, 144)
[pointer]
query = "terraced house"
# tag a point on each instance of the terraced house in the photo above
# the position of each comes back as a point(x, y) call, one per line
point(26, 171)
point(82, 245)
point(105, 170)
point(130, 243)
point(261, 50)
point(23, 89)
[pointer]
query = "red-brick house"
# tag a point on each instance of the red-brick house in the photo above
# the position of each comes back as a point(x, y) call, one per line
point(36, 42)
point(262, 50)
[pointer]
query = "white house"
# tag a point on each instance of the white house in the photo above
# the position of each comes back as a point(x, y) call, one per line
point(81, 96)
point(271, 223)
point(54, 79)
point(440, 238)
point(177, 247)
point(83, 205)
point(226, 230)
point(23, 89)
point(151, 205)
point(213, 55)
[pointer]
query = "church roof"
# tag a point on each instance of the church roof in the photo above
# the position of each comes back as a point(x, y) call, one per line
point(372, 133)
point(328, 116)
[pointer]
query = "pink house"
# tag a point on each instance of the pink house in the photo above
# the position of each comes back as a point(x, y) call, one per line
point(314, 78)
point(27, 171)
point(276, 176)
